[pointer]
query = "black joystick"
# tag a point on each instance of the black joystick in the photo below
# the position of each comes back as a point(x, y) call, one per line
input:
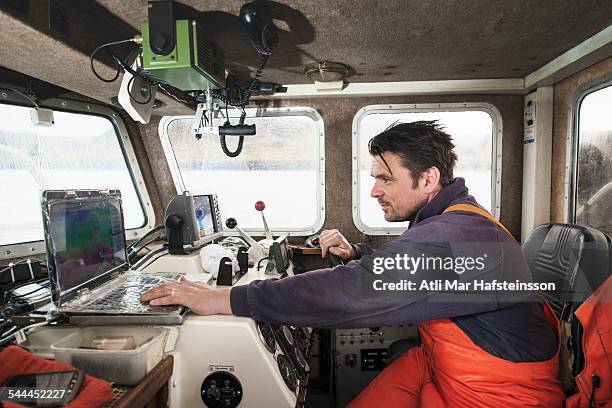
point(231, 223)
point(334, 260)
point(174, 223)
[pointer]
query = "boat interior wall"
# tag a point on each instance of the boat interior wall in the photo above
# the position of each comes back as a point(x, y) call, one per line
point(160, 171)
point(141, 139)
point(565, 93)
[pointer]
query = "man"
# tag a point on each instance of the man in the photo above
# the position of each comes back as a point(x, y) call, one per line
point(480, 347)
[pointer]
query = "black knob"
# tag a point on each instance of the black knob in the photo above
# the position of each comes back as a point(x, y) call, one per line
point(231, 223)
point(174, 221)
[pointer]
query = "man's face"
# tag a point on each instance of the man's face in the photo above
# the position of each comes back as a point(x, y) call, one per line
point(395, 190)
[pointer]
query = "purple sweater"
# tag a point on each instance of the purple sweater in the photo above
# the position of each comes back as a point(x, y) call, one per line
point(507, 324)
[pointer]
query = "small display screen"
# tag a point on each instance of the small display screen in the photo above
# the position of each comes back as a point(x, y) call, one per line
point(280, 252)
point(284, 255)
point(87, 239)
point(204, 215)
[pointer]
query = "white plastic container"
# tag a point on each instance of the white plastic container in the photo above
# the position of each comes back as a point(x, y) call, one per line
point(120, 366)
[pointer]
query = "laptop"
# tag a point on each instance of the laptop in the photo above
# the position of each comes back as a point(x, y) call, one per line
point(91, 281)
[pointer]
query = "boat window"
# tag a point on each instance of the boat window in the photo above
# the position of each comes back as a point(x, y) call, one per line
point(77, 151)
point(476, 131)
point(593, 163)
point(282, 165)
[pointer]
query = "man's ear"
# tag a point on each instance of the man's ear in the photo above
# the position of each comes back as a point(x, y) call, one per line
point(432, 179)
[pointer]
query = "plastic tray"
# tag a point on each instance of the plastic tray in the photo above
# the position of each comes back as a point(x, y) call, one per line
point(120, 366)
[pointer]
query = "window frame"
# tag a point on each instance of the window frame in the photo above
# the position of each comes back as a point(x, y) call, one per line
point(261, 112)
point(496, 162)
point(23, 249)
point(573, 141)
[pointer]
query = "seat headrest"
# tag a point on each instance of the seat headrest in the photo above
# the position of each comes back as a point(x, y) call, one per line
point(576, 258)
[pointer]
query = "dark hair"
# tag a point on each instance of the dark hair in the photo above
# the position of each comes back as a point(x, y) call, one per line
point(420, 145)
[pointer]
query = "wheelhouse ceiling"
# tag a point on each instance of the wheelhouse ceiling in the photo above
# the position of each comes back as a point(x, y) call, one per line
point(396, 40)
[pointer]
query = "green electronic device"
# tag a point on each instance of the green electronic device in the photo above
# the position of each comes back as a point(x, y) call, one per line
point(194, 64)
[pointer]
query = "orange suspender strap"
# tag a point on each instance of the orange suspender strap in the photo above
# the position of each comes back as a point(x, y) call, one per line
point(476, 210)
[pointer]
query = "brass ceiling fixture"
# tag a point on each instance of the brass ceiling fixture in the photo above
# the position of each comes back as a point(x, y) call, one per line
point(326, 71)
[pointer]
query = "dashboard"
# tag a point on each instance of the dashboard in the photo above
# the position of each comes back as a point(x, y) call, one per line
point(230, 361)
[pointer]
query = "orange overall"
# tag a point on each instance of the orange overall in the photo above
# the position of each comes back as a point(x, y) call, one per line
point(449, 370)
point(594, 315)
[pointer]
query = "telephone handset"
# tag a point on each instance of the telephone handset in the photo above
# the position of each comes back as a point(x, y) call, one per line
point(258, 24)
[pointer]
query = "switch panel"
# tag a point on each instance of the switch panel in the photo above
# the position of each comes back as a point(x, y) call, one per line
point(373, 359)
point(369, 345)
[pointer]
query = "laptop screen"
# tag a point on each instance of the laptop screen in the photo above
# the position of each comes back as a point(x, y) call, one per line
point(85, 237)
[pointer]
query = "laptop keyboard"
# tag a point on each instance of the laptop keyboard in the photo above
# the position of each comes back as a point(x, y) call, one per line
point(124, 295)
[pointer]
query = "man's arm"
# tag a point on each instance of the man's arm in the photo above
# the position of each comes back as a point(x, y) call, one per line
point(344, 297)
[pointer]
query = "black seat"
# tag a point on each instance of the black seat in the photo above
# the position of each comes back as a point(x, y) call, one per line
point(576, 258)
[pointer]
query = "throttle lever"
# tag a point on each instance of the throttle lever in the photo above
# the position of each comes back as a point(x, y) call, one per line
point(335, 260)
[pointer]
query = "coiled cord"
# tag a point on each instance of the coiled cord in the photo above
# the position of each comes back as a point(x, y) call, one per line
point(148, 78)
point(227, 152)
point(247, 93)
point(241, 104)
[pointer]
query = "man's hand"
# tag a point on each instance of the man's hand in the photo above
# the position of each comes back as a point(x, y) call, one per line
point(199, 297)
point(333, 241)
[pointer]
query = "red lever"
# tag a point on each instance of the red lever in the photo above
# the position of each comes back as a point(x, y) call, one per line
point(260, 205)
